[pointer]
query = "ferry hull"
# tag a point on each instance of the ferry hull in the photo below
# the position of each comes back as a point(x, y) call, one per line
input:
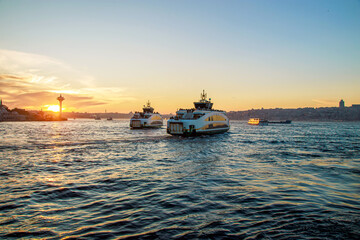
point(177, 128)
point(138, 124)
point(146, 127)
point(197, 133)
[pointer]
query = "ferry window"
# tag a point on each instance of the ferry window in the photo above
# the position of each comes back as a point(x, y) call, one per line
point(215, 118)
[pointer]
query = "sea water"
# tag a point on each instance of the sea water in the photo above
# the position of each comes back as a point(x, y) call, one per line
point(87, 179)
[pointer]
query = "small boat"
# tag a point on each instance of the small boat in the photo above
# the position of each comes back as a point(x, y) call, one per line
point(147, 118)
point(109, 118)
point(257, 121)
point(199, 120)
point(97, 117)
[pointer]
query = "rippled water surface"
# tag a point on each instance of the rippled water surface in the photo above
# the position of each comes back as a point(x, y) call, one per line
point(87, 179)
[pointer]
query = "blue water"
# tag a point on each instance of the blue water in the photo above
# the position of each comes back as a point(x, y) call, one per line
point(87, 179)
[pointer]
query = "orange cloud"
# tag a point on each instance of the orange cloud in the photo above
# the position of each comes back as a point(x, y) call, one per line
point(36, 100)
point(11, 77)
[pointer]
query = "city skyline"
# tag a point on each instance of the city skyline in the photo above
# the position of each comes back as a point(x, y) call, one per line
point(116, 55)
point(56, 108)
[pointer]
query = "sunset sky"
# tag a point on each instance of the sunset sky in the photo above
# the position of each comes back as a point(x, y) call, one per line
point(116, 55)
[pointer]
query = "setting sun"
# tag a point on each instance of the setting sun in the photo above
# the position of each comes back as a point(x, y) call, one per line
point(53, 108)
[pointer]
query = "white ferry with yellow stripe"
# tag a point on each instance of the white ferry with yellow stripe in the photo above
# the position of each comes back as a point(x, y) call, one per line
point(146, 119)
point(257, 121)
point(199, 120)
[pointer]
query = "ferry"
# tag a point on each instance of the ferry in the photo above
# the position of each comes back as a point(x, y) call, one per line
point(199, 120)
point(146, 119)
point(258, 121)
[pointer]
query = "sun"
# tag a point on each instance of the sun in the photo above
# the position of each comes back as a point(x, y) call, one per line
point(53, 108)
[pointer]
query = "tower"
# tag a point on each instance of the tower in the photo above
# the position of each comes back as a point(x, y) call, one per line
point(60, 99)
point(341, 104)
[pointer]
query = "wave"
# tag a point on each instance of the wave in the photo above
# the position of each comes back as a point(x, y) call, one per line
point(113, 183)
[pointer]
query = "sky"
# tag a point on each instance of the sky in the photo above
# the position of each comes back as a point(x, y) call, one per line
point(117, 55)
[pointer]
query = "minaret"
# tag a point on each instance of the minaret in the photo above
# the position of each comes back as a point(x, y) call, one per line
point(60, 99)
point(341, 104)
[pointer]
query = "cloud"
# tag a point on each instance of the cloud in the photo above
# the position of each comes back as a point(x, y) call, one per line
point(8, 84)
point(12, 77)
point(31, 100)
point(44, 71)
point(325, 102)
point(16, 60)
point(31, 81)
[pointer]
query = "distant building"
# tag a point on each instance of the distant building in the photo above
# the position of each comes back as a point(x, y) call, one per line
point(341, 104)
point(10, 115)
point(3, 111)
point(355, 105)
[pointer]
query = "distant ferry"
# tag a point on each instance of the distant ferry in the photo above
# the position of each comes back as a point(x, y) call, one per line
point(258, 121)
point(147, 118)
point(199, 120)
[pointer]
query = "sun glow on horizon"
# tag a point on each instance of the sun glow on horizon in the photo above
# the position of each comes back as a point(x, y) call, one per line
point(53, 108)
